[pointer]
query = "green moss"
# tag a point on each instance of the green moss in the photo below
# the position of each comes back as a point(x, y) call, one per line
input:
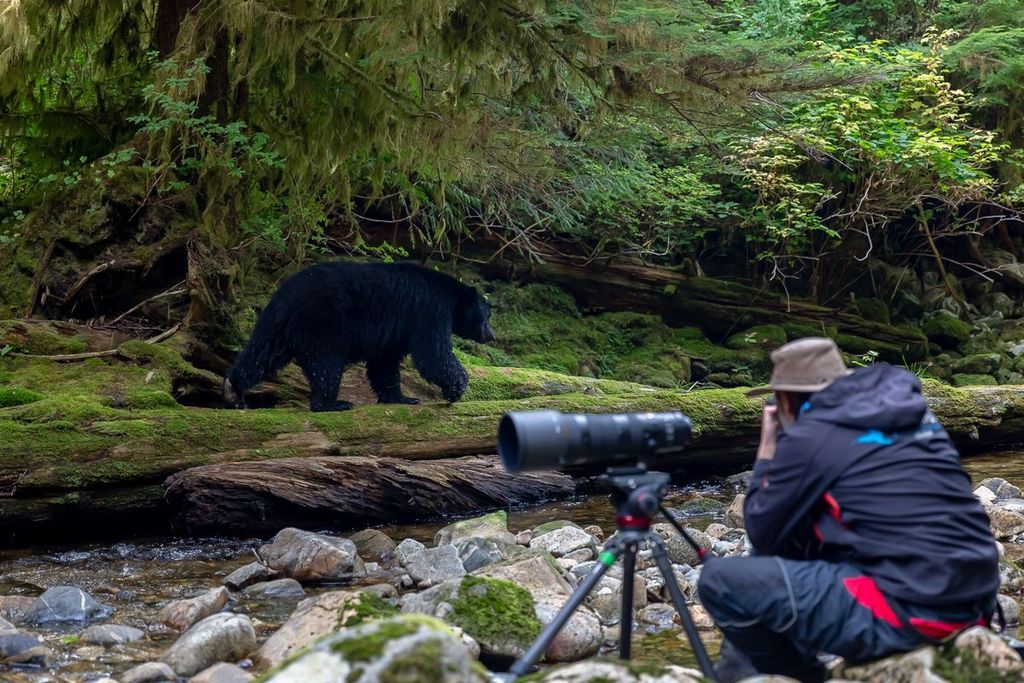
point(495, 611)
point(552, 526)
point(945, 329)
point(371, 643)
point(966, 380)
point(766, 337)
point(875, 310)
point(145, 399)
point(418, 665)
point(16, 396)
point(368, 607)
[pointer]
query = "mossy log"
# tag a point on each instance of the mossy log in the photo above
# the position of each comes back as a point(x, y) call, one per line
point(718, 307)
point(347, 492)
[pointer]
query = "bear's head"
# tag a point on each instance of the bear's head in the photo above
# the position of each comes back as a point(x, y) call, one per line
point(472, 317)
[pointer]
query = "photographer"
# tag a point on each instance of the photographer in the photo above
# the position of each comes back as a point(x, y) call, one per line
point(867, 538)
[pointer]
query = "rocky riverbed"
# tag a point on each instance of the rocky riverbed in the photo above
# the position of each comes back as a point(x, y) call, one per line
point(413, 603)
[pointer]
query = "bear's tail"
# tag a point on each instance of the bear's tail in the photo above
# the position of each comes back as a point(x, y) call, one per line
point(264, 354)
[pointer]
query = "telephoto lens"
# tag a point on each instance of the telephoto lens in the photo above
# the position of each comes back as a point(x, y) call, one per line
point(547, 439)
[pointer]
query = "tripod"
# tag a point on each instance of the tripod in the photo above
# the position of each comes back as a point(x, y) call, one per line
point(636, 495)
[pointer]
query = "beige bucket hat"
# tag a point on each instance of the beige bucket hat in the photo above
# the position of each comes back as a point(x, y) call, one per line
point(805, 365)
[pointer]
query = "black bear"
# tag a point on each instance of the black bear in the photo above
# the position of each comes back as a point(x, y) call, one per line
point(333, 314)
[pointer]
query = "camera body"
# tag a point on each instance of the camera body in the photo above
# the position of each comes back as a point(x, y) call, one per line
point(576, 443)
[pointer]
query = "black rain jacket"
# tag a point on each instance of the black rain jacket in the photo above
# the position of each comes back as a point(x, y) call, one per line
point(867, 475)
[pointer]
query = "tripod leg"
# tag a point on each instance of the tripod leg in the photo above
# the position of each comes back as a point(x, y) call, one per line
point(626, 615)
point(679, 600)
point(612, 550)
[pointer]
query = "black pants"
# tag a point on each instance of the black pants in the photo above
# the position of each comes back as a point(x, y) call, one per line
point(782, 613)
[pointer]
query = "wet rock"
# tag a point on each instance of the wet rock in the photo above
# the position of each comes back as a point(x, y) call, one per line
point(150, 672)
point(217, 638)
point(402, 648)
point(65, 603)
point(592, 672)
point(384, 591)
point(581, 637)
point(524, 537)
point(222, 673)
point(658, 617)
point(1001, 488)
point(493, 526)
point(548, 527)
point(406, 548)
point(734, 513)
point(741, 480)
point(478, 552)
point(14, 608)
point(305, 556)
point(1005, 524)
point(280, 588)
point(912, 667)
point(317, 617)
point(534, 574)
point(679, 549)
point(111, 634)
point(180, 614)
point(373, 545)
point(1011, 610)
point(254, 572)
point(595, 531)
point(563, 541)
point(606, 598)
point(716, 530)
point(698, 506)
point(23, 648)
point(431, 566)
point(989, 648)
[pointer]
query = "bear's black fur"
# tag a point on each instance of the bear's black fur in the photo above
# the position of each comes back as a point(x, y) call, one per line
point(331, 315)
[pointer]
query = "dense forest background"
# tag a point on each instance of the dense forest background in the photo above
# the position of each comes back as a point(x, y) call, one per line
point(166, 161)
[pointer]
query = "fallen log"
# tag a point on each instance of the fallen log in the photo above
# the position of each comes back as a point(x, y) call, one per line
point(347, 492)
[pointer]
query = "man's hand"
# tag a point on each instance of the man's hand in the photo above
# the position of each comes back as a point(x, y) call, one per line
point(769, 433)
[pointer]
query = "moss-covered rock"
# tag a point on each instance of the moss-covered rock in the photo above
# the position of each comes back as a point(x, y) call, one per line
point(875, 310)
point(978, 364)
point(17, 396)
point(766, 337)
point(946, 330)
point(966, 380)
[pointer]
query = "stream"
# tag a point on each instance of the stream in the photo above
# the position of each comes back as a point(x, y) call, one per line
point(138, 576)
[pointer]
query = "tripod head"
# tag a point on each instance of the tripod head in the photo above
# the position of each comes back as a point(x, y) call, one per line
point(636, 495)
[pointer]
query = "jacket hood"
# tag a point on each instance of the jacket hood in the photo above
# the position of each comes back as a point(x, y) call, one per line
point(879, 396)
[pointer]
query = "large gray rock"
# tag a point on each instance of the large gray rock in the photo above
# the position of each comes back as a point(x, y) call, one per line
point(1002, 489)
point(679, 550)
point(218, 638)
point(317, 617)
point(222, 673)
point(989, 648)
point(1011, 610)
point(150, 672)
point(180, 614)
point(407, 548)
point(563, 541)
point(606, 598)
point(580, 637)
point(476, 553)
point(403, 648)
point(493, 526)
point(305, 556)
point(254, 572)
point(279, 588)
point(592, 672)
point(373, 545)
point(431, 566)
point(24, 649)
point(535, 574)
point(734, 513)
point(1005, 524)
point(111, 634)
point(65, 603)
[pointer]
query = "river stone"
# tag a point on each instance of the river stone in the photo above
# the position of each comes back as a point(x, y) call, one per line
point(734, 513)
point(524, 537)
point(181, 614)
point(912, 667)
point(280, 588)
point(1005, 524)
point(111, 634)
point(679, 550)
point(989, 648)
point(65, 603)
point(23, 648)
point(493, 526)
point(591, 672)
point(1002, 488)
point(1011, 610)
point(431, 566)
point(658, 617)
point(579, 638)
point(548, 527)
point(406, 548)
point(150, 672)
point(306, 556)
point(478, 552)
point(977, 364)
point(254, 572)
point(319, 616)
point(535, 574)
point(373, 545)
point(14, 608)
point(606, 598)
point(403, 648)
point(563, 541)
point(217, 638)
point(222, 673)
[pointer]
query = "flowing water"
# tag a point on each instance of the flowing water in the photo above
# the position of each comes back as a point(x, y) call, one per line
point(136, 577)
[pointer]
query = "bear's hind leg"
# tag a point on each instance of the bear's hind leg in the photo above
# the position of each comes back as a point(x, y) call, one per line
point(324, 376)
point(386, 380)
